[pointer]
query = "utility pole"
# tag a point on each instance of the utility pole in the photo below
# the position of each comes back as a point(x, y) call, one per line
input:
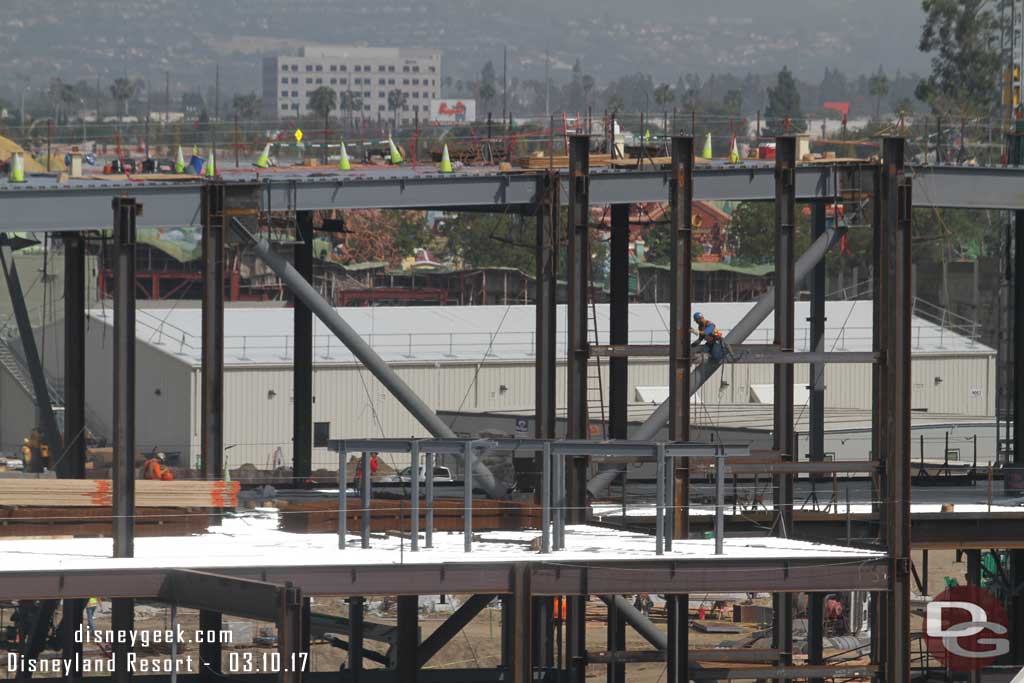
point(504, 86)
point(547, 84)
point(167, 98)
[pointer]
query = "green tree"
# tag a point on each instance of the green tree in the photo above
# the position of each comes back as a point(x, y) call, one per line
point(396, 100)
point(663, 95)
point(487, 90)
point(751, 235)
point(350, 102)
point(482, 240)
point(246, 107)
point(783, 104)
point(122, 90)
point(323, 101)
point(963, 37)
point(878, 86)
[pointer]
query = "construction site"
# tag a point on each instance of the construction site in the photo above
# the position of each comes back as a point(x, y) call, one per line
point(696, 472)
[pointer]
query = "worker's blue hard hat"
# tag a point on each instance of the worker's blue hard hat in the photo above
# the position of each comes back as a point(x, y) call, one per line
point(698, 315)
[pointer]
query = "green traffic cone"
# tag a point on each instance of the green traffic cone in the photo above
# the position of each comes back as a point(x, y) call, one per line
point(179, 163)
point(706, 153)
point(210, 170)
point(17, 174)
point(264, 159)
point(396, 156)
point(344, 164)
point(446, 162)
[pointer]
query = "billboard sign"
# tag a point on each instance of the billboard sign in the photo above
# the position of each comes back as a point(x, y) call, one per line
point(452, 111)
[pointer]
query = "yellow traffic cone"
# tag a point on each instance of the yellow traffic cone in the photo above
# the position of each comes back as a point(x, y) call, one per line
point(446, 161)
point(17, 174)
point(396, 156)
point(264, 159)
point(734, 152)
point(179, 163)
point(706, 153)
point(344, 164)
point(210, 170)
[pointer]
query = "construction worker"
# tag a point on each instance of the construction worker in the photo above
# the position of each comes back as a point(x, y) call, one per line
point(44, 455)
point(708, 334)
point(156, 470)
point(26, 454)
point(90, 612)
point(374, 466)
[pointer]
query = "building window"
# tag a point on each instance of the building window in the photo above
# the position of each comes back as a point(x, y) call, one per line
point(334, 81)
point(433, 69)
point(284, 80)
point(334, 67)
point(382, 81)
point(391, 68)
point(321, 434)
point(309, 67)
point(284, 106)
point(319, 81)
point(405, 69)
point(343, 81)
point(416, 95)
point(295, 93)
point(415, 69)
point(309, 81)
point(295, 67)
point(382, 68)
point(284, 67)
point(366, 94)
point(366, 107)
point(405, 81)
point(319, 67)
point(391, 81)
point(405, 107)
point(358, 67)
point(344, 67)
point(366, 67)
point(380, 107)
point(415, 81)
point(295, 107)
point(295, 81)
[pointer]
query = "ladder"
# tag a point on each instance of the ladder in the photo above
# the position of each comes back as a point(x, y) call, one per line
point(595, 387)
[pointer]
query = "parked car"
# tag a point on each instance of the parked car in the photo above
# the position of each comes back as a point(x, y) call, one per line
point(405, 476)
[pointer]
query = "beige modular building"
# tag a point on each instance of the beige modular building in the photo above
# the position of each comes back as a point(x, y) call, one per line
point(459, 359)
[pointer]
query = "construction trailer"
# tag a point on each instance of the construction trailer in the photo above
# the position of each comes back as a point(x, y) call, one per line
point(675, 567)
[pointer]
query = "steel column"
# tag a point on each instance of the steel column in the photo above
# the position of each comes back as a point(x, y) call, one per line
point(546, 291)
point(289, 636)
point(522, 640)
point(974, 579)
point(879, 387)
point(44, 409)
point(784, 434)
point(618, 321)
point(1017, 556)
point(210, 650)
point(816, 450)
point(355, 638)
point(125, 211)
point(896, 189)
point(302, 365)
point(578, 287)
point(616, 641)
point(71, 647)
point(71, 460)
point(212, 419)
point(815, 631)
point(408, 638)
point(678, 655)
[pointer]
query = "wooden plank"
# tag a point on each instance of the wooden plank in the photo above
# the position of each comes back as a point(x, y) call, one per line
point(99, 492)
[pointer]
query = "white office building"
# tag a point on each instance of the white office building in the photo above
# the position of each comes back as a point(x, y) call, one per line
point(367, 74)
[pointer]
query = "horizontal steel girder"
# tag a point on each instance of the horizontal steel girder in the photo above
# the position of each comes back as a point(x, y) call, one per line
point(42, 204)
point(764, 574)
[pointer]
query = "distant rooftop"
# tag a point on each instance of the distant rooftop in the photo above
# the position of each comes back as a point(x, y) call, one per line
point(262, 335)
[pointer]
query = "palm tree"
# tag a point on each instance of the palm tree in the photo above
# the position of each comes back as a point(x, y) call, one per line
point(396, 100)
point(246, 106)
point(878, 86)
point(350, 102)
point(122, 90)
point(663, 95)
point(322, 101)
point(487, 93)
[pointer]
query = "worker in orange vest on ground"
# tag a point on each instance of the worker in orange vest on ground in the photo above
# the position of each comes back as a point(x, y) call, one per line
point(156, 469)
point(374, 466)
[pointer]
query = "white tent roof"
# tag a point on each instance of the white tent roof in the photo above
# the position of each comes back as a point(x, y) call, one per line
point(415, 334)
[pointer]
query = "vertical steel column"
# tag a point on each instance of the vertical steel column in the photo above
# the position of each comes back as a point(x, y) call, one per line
point(212, 420)
point(618, 386)
point(817, 323)
point(408, 637)
point(578, 352)
point(681, 201)
point(71, 462)
point(896, 189)
point(366, 489)
point(974, 579)
point(302, 365)
point(414, 495)
point(289, 636)
point(578, 276)
point(618, 323)
point(815, 631)
point(879, 389)
point(784, 441)
point(1017, 556)
point(71, 647)
point(123, 610)
point(546, 306)
point(355, 638)
point(522, 640)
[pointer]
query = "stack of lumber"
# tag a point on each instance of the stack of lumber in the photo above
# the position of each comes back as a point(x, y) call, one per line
point(539, 163)
point(100, 492)
point(92, 522)
point(393, 515)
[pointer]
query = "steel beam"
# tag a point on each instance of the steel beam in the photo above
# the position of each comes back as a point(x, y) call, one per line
point(71, 460)
point(545, 301)
point(578, 295)
point(294, 661)
point(451, 627)
point(784, 435)
point(522, 641)
point(356, 613)
point(125, 211)
point(367, 356)
point(747, 324)
point(302, 367)
point(1016, 604)
point(896, 194)
point(220, 593)
point(747, 656)
point(408, 638)
point(44, 409)
point(212, 412)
